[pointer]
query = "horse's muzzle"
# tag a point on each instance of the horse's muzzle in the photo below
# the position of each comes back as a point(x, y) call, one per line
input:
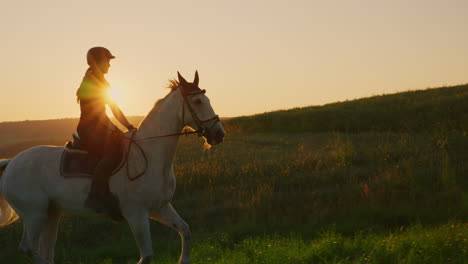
point(216, 136)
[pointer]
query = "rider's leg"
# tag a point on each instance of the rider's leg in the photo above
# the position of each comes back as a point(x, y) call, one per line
point(100, 198)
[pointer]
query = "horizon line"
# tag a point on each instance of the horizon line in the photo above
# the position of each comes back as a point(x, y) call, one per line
point(276, 110)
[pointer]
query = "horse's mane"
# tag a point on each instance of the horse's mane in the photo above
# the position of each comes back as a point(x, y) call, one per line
point(173, 85)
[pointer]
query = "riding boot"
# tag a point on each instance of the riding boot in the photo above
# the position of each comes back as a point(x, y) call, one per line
point(93, 200)
point(100, 198)
point(103, 201)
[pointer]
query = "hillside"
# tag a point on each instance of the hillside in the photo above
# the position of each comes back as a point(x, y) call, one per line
point(315, 196)
point(437, 108)
point(443, 108)
point(17, 136)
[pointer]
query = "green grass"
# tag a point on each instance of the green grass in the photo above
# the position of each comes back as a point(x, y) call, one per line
point(445, 244)
point(415, 244)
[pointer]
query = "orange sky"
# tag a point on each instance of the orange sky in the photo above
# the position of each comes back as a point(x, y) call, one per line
point(252, 56)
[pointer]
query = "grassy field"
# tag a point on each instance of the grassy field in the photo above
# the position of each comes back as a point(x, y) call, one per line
point(442, 244)
point(273, 196)
point(438, 109)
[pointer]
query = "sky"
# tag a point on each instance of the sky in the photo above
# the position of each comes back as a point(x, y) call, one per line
point(253, 56)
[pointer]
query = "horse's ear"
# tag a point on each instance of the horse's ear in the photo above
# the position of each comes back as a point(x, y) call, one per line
point(195, 81)
point(182, 81)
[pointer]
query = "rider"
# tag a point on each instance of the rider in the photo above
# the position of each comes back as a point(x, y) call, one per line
point(98, 135)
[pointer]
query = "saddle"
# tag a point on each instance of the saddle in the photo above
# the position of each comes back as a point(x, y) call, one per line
point(77, 162)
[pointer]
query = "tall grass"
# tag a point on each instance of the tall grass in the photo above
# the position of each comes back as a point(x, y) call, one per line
point(385, 179)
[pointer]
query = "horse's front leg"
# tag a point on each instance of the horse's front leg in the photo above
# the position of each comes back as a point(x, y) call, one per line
point(169, 217)
point(138, 220)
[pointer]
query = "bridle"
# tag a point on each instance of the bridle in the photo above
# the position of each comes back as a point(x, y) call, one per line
point(201, 131)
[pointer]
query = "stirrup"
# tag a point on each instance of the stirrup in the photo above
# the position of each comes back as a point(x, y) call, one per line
point(105, 204)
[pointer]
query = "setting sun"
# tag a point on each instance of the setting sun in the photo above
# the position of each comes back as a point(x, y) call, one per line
point(115, 94)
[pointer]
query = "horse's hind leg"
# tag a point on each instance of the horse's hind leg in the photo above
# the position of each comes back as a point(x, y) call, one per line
point(33, 220)
point(34, 223)
point(24, 246)
point(34, 214)
point(49, 234)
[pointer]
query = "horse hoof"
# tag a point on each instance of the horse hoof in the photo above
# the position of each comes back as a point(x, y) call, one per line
point(40, 260)
point(145, 260)
point(26, 251)
point(185, 261)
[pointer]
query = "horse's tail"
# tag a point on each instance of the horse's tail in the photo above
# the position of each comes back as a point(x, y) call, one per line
point(7, 214)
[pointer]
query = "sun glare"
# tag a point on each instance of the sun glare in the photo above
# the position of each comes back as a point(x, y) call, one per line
point(115, 94)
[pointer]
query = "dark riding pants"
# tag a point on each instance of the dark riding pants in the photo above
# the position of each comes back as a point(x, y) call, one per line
point(107, 146)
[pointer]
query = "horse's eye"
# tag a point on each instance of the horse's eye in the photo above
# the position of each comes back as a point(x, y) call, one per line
point(197, 102)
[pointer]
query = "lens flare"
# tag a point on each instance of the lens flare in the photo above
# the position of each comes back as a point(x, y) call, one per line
point(115, 94)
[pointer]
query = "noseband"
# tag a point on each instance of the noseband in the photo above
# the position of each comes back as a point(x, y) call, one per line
point(201, 124)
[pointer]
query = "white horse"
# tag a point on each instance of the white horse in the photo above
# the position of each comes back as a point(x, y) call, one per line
point(32, 186)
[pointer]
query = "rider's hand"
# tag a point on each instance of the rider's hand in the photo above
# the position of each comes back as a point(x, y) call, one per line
point(131, 127)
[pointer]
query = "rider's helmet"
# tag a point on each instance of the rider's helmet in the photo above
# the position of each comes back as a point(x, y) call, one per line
point(97, 54)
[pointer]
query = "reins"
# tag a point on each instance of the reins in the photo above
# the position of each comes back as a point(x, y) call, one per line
point(134, 141)
point(168, 135)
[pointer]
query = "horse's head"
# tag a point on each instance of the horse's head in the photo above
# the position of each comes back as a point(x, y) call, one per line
point(198, 112)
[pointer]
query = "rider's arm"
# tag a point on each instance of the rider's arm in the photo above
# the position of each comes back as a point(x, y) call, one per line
point(119, 115)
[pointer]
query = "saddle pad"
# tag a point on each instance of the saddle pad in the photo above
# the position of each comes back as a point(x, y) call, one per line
point(79, 165)
point(82, 165)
